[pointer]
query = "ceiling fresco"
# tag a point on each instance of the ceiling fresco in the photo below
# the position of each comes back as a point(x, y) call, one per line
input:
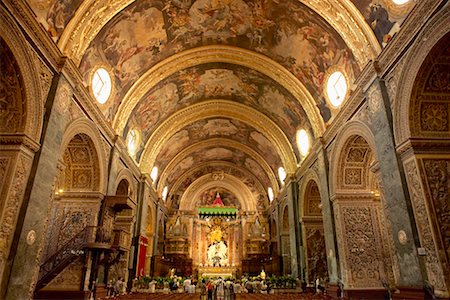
point(218, 81)
point(54, 15)
point(215, 128)
point(383, 16)
point(216, 154)
point(149, 31)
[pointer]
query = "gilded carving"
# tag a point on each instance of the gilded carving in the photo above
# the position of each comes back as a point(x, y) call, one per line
point(13, 201)
point(433, 266)
point(12, 110)
point(362, 253)
point(434, 116)
point(438, 173)
point(353, 176)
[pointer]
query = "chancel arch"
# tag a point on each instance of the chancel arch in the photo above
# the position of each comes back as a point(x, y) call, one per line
point(229, 182)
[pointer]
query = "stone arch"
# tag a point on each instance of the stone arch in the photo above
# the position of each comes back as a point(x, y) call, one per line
point(125, 175)
point(313, 232)
point(359, 217)
point(304, 187)
point(350, 130)
point(89, 129)
point(231, 183)
point(433, 32)
point(35, 88)
point(429, 104)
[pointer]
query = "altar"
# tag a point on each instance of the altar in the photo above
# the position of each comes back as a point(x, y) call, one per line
point(216, 272)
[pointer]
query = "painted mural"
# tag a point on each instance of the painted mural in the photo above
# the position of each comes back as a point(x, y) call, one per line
point(383, 16)
point(147, 32)
point(256, 188)
point(54, 15)
point(214, 128)
point(216, 153)
point(221, 81)
point(228, 198)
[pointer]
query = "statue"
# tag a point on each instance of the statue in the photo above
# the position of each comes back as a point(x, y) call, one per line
point(172, 273)
point(263, 274)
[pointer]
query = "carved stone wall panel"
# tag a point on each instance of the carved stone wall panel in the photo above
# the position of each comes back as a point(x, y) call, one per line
point(315, 252)
point(69, 279)
point(359, 245)
point(13, 200)
point(437, 172)
point(433, 266)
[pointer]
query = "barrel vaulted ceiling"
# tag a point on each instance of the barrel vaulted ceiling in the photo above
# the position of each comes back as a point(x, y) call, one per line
point(218, 89)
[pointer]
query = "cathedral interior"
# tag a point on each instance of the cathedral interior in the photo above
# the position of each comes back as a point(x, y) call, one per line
point(222, 137)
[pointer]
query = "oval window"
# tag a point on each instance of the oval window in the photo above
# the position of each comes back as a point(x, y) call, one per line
point(101, 85)
point(336, 88)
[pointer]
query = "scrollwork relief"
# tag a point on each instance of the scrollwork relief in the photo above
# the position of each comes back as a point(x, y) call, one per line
point(434, 270)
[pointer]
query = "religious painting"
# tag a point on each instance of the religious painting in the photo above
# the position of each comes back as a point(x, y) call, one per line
point(218, 81)
point(383, 16)
point(228, 198)
point(54, 15)
point(147, 32)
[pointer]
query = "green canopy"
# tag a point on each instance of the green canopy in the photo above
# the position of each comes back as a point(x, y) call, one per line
point(217, 211)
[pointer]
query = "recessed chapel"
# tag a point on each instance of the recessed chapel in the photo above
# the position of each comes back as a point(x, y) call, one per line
point(222, 138)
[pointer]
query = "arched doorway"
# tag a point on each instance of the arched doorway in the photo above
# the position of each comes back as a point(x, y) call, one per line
point(361, 227)
point(313, 234)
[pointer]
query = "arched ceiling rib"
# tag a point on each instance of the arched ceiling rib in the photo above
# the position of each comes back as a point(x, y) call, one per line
point(217, 171)
point(218, 54)
point(218, 131)
point(218, 108)
point(224, 149)
point(229, 182)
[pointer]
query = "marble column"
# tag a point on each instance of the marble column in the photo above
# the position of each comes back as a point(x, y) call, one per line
point(398, 205)
point(294, 232)
point(321, 168)
point(33, 219)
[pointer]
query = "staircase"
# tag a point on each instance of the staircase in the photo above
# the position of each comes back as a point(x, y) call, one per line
point(89, 237)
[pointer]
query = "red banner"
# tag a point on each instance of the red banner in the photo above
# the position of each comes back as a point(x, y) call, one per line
point(142, 252)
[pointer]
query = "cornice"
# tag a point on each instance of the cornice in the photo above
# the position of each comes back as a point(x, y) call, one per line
point(218, 142)
point(419, 145)
point(224, 54)
point(14, 140)
point(218, 108)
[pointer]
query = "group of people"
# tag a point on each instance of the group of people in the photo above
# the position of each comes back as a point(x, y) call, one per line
point(218, 289)
point(117, 288)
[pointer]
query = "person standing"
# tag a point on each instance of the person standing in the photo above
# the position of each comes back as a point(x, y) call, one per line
point(203, 289)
